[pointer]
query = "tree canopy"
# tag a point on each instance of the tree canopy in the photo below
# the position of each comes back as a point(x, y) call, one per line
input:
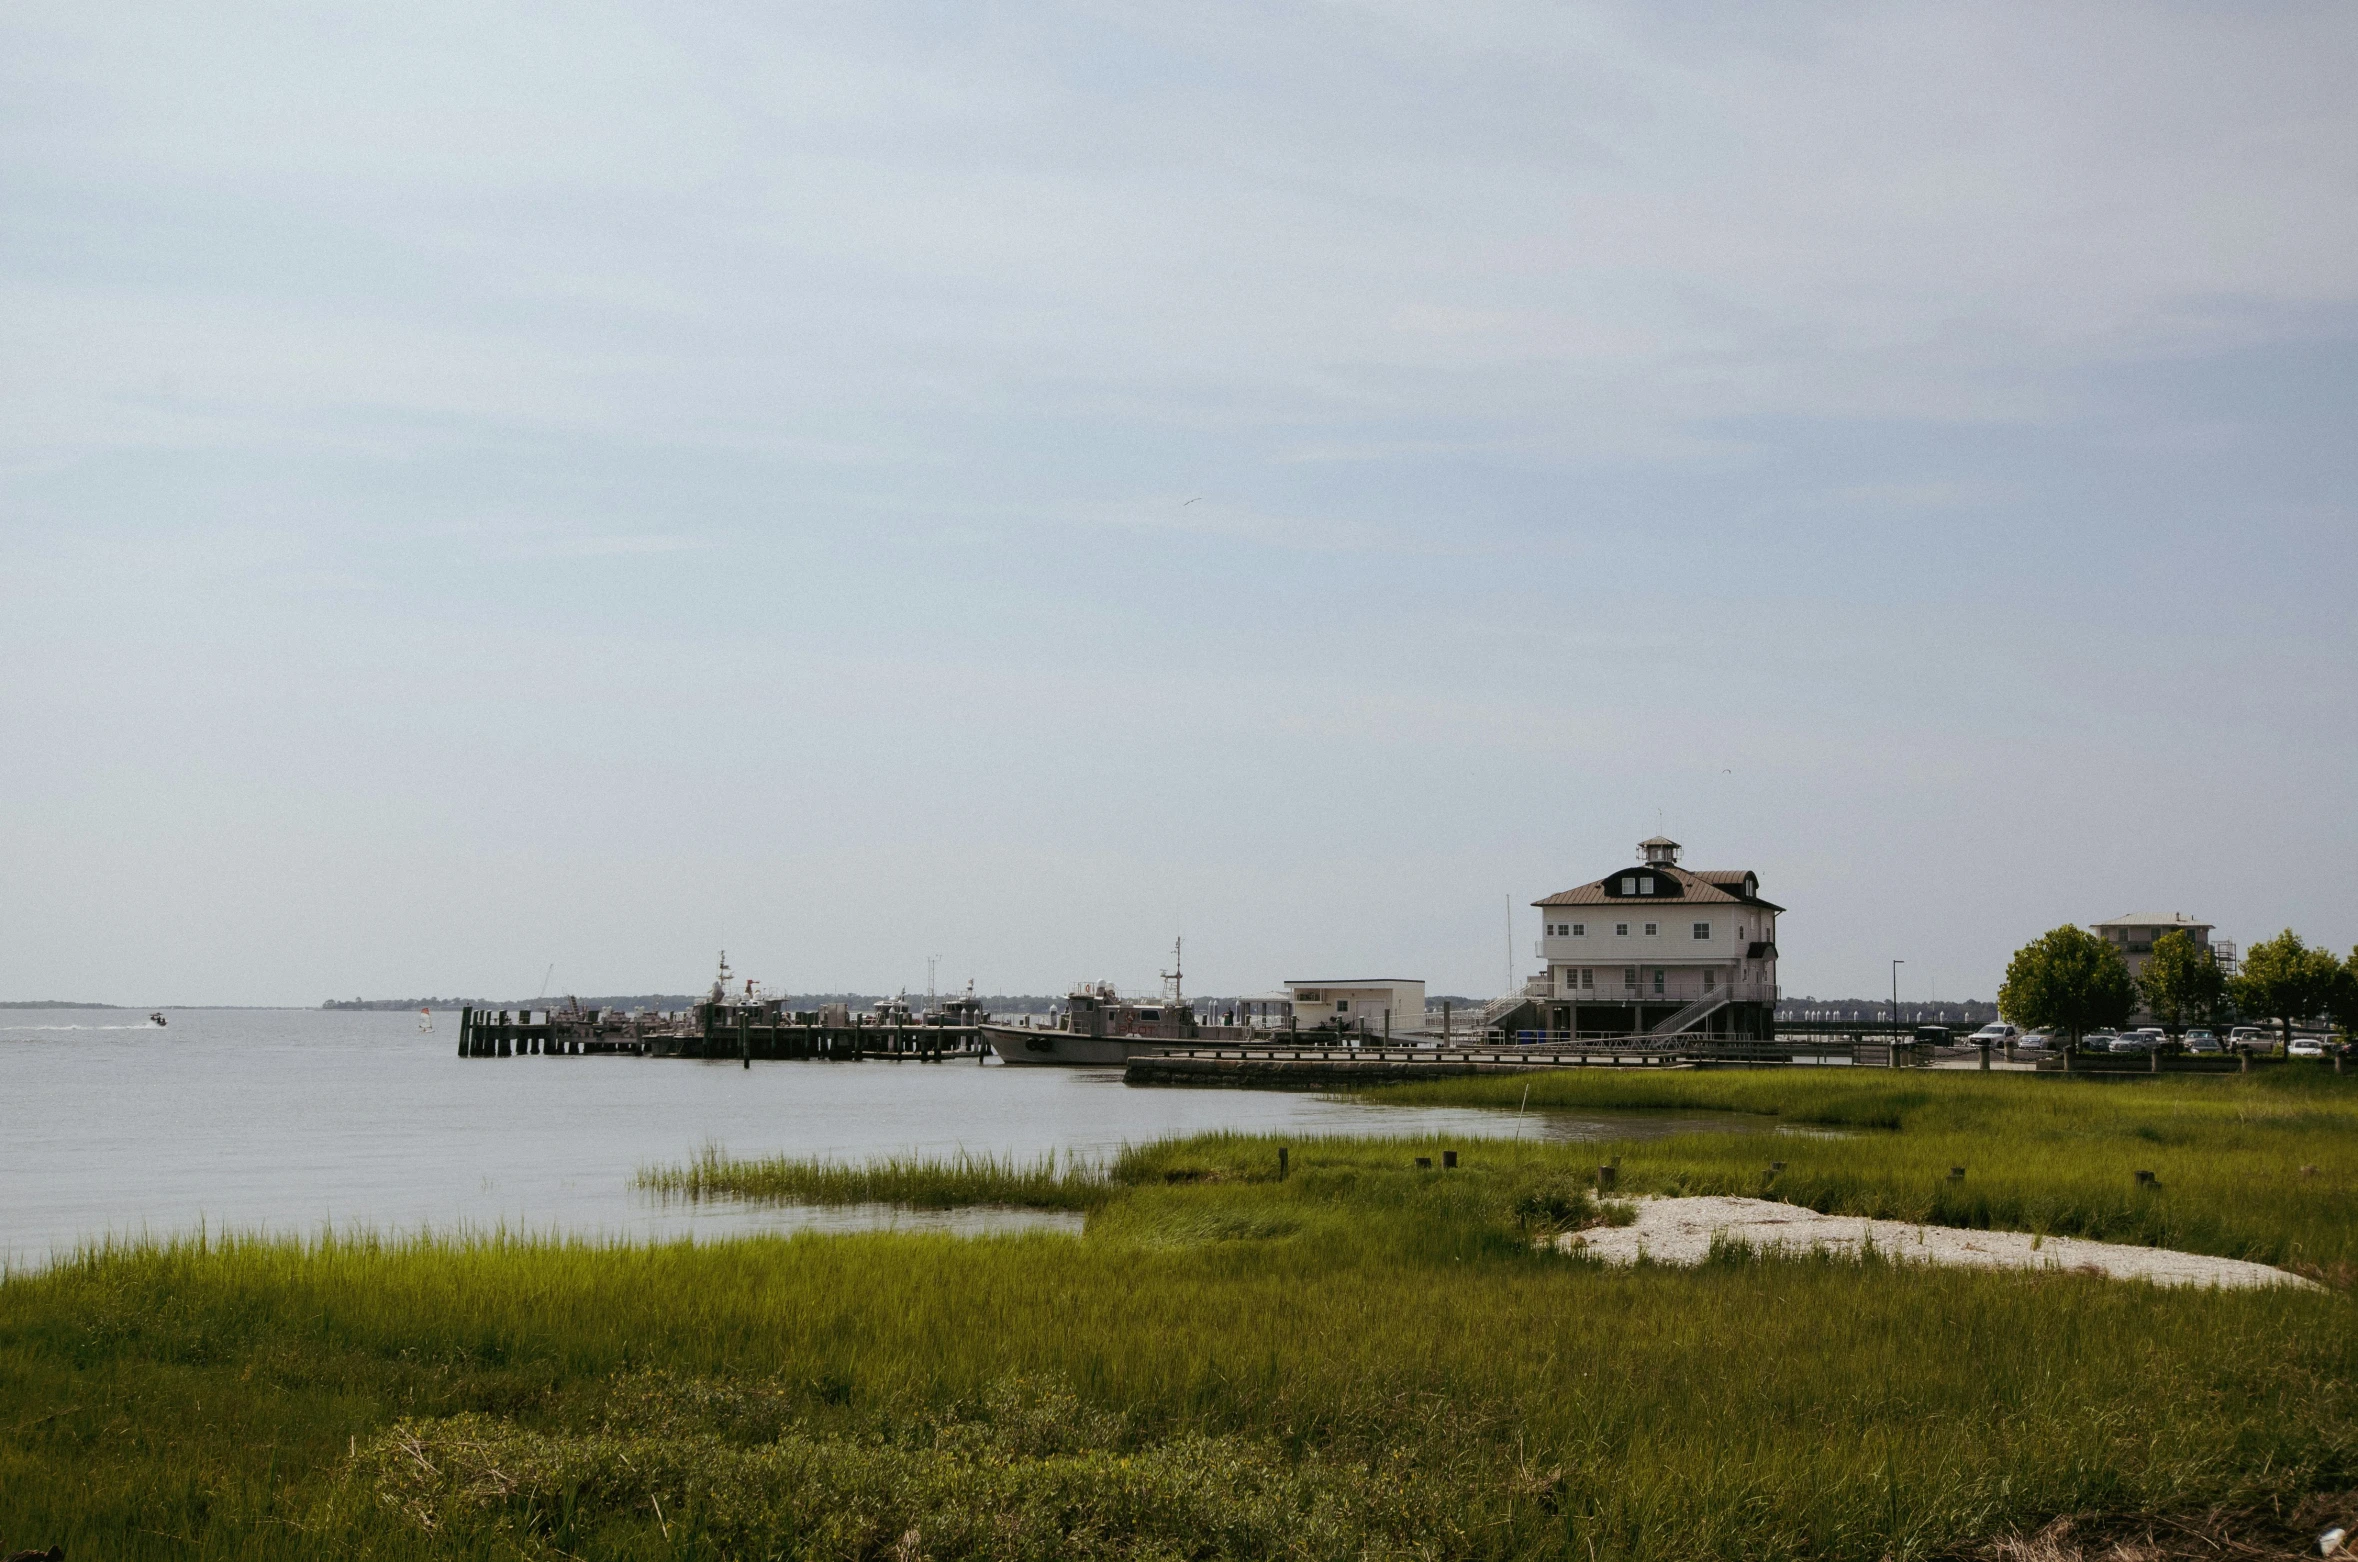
point(2285, 980)
point(2068, 980)
point(2182, 984)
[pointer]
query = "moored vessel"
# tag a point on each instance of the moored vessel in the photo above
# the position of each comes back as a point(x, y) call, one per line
point(1098, 1027)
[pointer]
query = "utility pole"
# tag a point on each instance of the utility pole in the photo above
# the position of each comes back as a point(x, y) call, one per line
point(1895, 965)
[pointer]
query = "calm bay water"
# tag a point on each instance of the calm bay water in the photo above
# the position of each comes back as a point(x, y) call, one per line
point(291, 1120)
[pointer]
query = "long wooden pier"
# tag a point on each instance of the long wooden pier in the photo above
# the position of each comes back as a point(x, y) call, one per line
point(1298, 1065)
point(726, 1031)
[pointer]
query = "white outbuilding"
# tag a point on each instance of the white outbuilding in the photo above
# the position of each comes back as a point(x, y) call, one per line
point(1375, 1003)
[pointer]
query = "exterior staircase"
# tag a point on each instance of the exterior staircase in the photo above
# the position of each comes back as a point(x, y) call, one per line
point(1500, 1007)
point(1694, 1013)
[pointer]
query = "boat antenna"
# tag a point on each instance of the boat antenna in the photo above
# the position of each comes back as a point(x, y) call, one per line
point(1172, 978)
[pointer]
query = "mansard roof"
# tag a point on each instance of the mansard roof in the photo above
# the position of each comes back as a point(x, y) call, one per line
point(1672, 886)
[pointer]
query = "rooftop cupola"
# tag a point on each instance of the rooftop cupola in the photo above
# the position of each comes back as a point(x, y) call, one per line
point(1660, 851)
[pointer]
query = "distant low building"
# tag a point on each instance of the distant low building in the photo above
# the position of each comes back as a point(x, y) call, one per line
point(1658, 947)
point(1379, 1003)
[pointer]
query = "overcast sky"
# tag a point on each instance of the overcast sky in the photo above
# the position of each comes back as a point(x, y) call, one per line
point(491, 488)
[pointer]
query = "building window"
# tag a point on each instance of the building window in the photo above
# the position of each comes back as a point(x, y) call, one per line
point(1620, 930)
point(1629, 977)
point(1629, 885)
point(1588, 976)
point(1702, 930)
point(1710, 980)
point(1580, 930)
point(1342, 1006)
point(1652, 928)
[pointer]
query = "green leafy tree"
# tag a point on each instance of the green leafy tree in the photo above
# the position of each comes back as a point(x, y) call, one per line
point(2342, 1001)
point(2068, 980)
point(2285, 980)
point(2181, 982)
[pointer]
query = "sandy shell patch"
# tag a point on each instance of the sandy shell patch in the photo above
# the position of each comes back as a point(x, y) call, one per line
point(1681, 1231)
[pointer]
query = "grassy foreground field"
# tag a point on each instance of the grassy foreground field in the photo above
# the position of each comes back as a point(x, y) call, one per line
point(1361, 1359)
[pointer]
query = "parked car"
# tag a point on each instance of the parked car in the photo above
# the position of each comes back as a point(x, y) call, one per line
point(2305, 1047)
point(1995, 1034)
point(2038, 1041)
point(2202, 1041)
point(2249, 1038)
point(2100, 1041)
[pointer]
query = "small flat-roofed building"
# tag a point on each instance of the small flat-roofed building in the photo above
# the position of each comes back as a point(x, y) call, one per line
point(1377, 1003)
point(1659, 948)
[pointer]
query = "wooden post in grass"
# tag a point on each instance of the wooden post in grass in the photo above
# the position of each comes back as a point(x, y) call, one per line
point(1607, 1176)
point(2145, 1180)
point(1281, 1166)
point(1449, 1160)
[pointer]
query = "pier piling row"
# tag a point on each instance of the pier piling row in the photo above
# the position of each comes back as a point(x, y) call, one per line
point(711, 1031)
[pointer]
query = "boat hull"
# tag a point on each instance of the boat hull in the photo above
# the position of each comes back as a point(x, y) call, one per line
point(1017, 1046)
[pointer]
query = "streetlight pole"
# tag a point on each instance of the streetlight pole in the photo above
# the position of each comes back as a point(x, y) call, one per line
point(1895, 965)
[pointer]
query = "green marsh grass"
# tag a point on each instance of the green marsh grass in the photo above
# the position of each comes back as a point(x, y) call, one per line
point(2263, 1167)
point(1050, 1182)
point(1359, 1359)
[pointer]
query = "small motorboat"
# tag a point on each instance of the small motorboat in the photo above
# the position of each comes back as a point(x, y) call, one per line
point(157, 1018)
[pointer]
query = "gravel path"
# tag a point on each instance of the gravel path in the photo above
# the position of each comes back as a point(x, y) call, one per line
point(1680, 1231)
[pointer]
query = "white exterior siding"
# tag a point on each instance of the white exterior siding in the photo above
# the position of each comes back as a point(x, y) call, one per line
point(1359, 998)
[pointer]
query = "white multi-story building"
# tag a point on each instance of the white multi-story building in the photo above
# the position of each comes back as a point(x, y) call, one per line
point(2134, 932)
point(1660, 948)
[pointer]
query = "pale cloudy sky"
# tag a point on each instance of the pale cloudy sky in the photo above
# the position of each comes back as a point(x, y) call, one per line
point(486, 487)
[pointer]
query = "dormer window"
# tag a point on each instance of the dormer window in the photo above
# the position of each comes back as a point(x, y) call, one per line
point(1629, 885)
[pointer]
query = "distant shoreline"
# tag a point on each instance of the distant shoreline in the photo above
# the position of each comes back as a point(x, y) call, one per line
point(54, 1003)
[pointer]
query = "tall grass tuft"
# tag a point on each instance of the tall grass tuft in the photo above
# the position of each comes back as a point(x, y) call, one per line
point(1051, 1182)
